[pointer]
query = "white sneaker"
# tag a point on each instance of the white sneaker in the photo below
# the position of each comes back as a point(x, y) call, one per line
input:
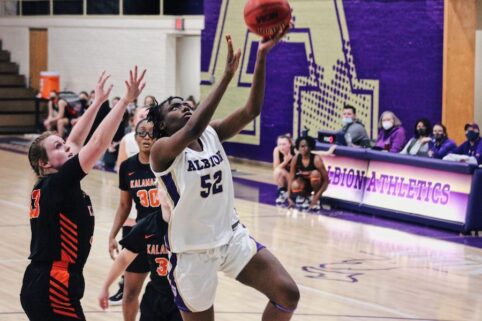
point(282, 196)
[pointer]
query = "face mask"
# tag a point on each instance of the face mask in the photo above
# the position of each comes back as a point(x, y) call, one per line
point(347, 121)
point(387, 125)
point(472, 135)
point(438, 137)
point(421, 131)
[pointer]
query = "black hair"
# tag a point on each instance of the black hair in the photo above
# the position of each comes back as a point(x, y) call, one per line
point(84, 92)
point(353, 109)
point(466, 126)
point(309, 140)
point(155, 115)
point(426, 123)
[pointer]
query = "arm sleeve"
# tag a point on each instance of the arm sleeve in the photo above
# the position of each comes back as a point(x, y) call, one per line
point(69, 174)
point(398, 141)
point(135, 240)
point(444, 150)
point(123, 181)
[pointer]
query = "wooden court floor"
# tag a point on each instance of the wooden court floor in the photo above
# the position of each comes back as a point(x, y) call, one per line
point(345, 270)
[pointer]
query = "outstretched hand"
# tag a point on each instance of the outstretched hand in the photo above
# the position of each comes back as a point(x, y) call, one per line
point(134, 85)
point(268, 43)
point(232, 62)
point(101, 94)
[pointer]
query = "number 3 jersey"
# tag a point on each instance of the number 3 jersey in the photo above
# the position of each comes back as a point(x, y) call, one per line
point(148, 236)
point(138, 179)
point(199, 188)
point(61, 217)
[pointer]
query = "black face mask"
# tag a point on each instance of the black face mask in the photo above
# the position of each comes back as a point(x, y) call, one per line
point(422, 131)
point(438, 137)
point(472, 135)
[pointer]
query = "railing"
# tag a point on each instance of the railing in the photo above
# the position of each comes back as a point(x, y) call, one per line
point(96, 7)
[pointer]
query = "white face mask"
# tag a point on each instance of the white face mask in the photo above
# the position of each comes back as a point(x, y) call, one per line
point(387, 124)
point(346, 121)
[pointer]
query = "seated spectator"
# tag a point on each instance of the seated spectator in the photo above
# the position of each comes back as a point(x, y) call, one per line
point(282, 155)
point(441, 145)
point(57, 117)
point(418, 144)
point(307, 175)
point(391, 135)
point(472, 146)
point(354, 131)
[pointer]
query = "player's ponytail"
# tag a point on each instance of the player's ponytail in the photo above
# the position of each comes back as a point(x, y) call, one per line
point(37, 153)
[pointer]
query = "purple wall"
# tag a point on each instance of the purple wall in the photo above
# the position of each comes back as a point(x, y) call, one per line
point(398, 43)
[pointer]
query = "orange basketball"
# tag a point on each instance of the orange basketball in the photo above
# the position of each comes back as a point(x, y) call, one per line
point(266, 17)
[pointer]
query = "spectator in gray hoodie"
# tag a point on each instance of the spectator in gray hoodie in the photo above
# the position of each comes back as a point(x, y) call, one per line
point(355, 132)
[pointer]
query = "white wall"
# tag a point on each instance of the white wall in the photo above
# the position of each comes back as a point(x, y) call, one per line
point(79, 48)
point(188, 50)
point(16, 40)
point(478, 66)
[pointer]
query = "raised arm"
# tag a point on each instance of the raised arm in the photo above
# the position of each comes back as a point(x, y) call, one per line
point(237, 120)
point(103, 135)
point(166, 149)
point(79, 132)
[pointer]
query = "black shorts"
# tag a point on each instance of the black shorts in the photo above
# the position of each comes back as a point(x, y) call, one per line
point(140, 263)
point(52, 292)
point(156, 306)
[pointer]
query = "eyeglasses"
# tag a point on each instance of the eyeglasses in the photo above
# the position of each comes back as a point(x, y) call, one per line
point(145, 133)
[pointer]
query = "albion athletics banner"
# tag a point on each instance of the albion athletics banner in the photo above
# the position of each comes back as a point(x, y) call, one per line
point(402, 188)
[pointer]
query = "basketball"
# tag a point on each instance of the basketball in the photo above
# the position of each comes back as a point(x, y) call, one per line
point(266, 17)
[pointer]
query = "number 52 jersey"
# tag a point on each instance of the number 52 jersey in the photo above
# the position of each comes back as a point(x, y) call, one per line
point(199, 188)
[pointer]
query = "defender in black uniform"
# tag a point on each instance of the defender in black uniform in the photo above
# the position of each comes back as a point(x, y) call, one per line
point(61, 215)
point(147, 237)
point(136, 183)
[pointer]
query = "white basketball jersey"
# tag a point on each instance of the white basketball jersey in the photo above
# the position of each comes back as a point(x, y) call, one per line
point(199, 187)
point(130, 144)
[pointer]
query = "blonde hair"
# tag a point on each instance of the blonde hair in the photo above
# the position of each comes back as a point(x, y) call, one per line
point(37, 153)
point(396, 120)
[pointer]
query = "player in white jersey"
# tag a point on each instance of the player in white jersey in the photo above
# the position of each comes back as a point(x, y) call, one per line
point(204, 234)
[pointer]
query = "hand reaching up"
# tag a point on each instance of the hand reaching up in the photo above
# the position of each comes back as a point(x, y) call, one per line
point(134, 85)
point(101, 94)
point(232, 62)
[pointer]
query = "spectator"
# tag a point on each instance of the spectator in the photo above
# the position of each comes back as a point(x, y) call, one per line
point(472, 146)
point(418, 145)
point(440, 146)
point(57, 116)
point(354, 131)
point(150, 101)
point(391, 135)
point(307, 174)
point(282, 155)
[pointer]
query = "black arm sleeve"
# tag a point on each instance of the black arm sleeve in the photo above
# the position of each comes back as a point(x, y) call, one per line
point(135, 241)
point(69, 174)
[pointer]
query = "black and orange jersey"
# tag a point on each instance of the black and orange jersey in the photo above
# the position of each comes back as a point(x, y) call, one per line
point(148, 236)
point(139, 180)
point(61, 217)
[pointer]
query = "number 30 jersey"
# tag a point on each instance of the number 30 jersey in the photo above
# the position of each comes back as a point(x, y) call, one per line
point(199, 188)
point(138, 179)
